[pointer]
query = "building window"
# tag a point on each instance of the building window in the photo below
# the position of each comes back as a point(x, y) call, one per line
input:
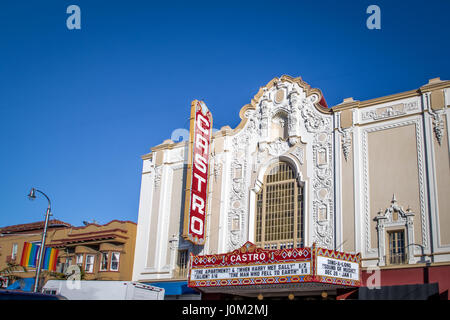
point(79, 259)
point(14, 251)
point(279, 209)
point(397, 253)
point(62, 265)
point(115, 256)
point(104, 262)
point(395, 228)
point(182, 263)
point(89, 268)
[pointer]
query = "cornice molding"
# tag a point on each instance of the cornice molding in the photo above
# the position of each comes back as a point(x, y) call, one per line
point(433, 84)
point(375, 101)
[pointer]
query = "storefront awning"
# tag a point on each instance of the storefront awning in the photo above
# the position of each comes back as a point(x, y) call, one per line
point(25, 284)
point(174, 287)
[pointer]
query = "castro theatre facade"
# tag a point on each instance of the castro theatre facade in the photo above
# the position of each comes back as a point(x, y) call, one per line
point(304, 200)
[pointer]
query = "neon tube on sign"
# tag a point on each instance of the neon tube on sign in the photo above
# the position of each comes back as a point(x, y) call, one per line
point(197, 174)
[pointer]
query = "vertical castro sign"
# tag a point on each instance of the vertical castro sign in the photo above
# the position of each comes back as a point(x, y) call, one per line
point(196, 199)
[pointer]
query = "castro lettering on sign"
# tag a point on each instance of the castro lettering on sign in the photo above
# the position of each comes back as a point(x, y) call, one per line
point(197, 173)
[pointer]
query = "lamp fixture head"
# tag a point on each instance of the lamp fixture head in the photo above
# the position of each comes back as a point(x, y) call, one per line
point(32, 194)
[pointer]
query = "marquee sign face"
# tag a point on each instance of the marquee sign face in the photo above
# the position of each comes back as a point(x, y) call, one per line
point(337, 267)
point(250, 265)
point(196, 199)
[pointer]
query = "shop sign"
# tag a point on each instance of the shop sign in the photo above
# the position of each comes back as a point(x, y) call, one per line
point(250, 265)
point(335, 268)
point(196, 198)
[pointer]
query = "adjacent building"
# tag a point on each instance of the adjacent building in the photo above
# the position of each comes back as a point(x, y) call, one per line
point(12, 239)
point(362, 177)
point(103, 252)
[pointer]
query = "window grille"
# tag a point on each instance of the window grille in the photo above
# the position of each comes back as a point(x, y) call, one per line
point(397, 252)
point(279, 210)
point(182, 263)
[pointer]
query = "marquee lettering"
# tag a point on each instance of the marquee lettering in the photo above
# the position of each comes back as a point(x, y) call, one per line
point(196, 225)
point(200, 163)
point(198, 204)
point(197, 175)
point(202, 143)
point(199, 180)
point(248, 257)
point(200, 120)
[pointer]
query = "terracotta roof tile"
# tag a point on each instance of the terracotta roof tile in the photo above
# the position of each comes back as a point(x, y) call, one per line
point(34, 226)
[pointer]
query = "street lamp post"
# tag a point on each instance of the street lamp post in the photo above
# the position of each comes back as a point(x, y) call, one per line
point(32, 196)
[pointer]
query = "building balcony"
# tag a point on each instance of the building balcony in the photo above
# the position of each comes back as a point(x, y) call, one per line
point(398, 258)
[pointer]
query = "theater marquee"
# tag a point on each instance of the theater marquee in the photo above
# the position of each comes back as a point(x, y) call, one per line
point(196, 199)
point(251, 265)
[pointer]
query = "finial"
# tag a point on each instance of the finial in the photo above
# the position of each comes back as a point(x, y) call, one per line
point(394, 200)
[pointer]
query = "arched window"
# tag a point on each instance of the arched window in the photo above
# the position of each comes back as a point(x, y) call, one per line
point(279, 209)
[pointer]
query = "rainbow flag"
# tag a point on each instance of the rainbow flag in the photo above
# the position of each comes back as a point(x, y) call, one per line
point(30, 256)
point(50, 259)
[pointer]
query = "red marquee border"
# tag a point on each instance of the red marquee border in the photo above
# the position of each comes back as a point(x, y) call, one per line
point(305, 254)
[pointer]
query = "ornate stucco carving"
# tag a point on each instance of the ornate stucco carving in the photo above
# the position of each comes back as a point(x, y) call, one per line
point(298, 152)
point(438, 126)
point(238, 195)
point(278, 147)
point(391, 111)
point(298, 102)
point(387, 219)
point(322, 184)
point(346, 143)
point(158, 172)
point(319, 127)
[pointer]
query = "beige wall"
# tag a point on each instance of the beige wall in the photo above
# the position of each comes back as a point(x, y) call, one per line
point(153, 228)
point(176, 208)
point(347, 118)
point(348, 207)
point(437, 99)
point(393, 169)
point(442, 166)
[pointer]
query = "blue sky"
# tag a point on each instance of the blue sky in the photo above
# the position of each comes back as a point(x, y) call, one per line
point(79, 107)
